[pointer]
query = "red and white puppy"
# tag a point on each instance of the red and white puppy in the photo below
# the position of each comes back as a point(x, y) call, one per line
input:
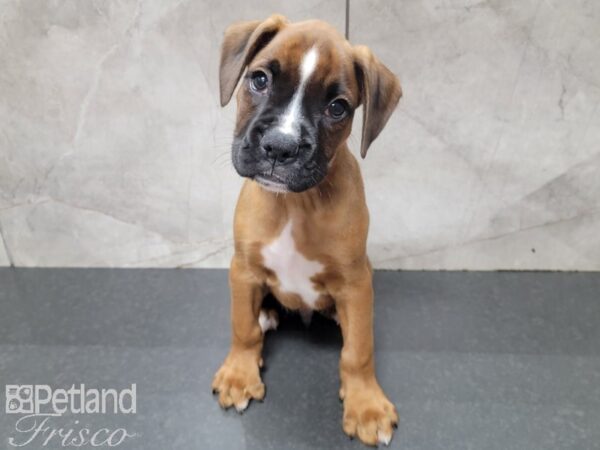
point(301, 220)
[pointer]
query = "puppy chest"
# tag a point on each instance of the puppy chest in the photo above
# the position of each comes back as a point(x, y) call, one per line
point(293, 270)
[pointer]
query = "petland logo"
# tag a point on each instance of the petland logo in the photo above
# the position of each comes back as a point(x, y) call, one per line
point(40, 406)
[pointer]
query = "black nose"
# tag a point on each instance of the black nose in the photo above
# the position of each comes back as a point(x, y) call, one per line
point(279, 146)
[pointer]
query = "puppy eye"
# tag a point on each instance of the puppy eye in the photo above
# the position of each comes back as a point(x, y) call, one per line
point(337, 109)
point(259, 81)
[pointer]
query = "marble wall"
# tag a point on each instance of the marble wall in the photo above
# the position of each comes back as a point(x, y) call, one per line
point(115, 152)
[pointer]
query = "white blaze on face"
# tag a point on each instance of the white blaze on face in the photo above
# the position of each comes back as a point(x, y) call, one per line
point(292, 112)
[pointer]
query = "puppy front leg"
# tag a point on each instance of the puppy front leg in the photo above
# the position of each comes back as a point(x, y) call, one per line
point(367, 411)
point(238, 380)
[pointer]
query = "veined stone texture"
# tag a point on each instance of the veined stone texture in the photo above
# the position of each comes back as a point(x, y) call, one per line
point(114, 150)
point(493, 159)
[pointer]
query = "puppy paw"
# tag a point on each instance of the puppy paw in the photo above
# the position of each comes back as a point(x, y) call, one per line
point(369, 415)
point(238, 381)
point(268, 320)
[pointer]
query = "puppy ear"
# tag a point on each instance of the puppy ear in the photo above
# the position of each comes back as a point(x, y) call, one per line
point(241, 43)
point(380, 92)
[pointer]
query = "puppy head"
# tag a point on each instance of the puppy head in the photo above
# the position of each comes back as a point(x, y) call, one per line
point(302, 83)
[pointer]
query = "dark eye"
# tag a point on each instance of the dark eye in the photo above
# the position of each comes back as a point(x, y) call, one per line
point(337, 109)
point(259, 81)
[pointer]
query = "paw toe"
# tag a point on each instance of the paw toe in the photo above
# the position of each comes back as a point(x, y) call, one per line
point(384, 431)
point(225, 399)
point(242, 404)
point(384, 437)
point(368, 432)
point(349, 425)
point(257, 391)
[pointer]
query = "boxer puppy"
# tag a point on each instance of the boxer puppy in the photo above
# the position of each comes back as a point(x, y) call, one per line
point(301, 219)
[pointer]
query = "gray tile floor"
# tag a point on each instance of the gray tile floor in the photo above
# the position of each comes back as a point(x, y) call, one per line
point(473, 360)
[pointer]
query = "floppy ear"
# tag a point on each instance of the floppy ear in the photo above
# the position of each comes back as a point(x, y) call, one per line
point(379, 91)
point(241, 43)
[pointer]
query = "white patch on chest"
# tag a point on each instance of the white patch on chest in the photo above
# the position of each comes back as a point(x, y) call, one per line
point(292, 112)
point(293, 270)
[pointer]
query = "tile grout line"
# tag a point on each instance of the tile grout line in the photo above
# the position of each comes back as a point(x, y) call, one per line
point(347, 20)
point(5, 245)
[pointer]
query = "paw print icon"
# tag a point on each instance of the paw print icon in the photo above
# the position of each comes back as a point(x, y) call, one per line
point(13, 405)
point(19, 399)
